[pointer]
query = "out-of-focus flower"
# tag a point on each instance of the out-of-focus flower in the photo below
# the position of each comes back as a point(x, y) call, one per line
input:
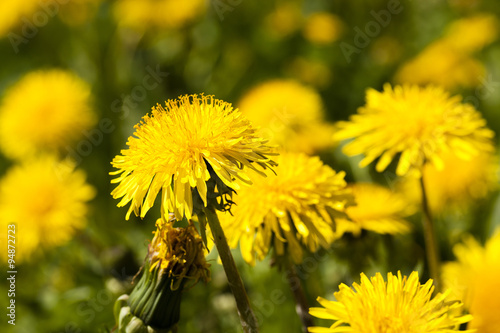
point(195, 142)
point(47, 200)
point(441, 65)
point(471, 34)
point(175, 261)
point(323, 28)
point(157, 14)
point(377, 209)
point(475, 278)
point(458, 184)
point(399, 305)
point(294, 209)
point(419, 123)
point(11, 12)
point(285, 19)
point(44, 111)
point(448, 61)
point(290, 115)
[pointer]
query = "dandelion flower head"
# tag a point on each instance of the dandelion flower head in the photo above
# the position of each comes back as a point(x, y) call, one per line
point(292, 210)
point(44, 111)
point(289, 114)
point(47, 200)
point(377, 209)
point(400, 305)
point(475, 278)
point(417, 123)
point(179, 147)
point(178, 252)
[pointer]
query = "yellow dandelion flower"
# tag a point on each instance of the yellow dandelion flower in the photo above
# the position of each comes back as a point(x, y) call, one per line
point(179, 253)
point(475, 278)
point(441, 65)
point(55, 108)
point(458, 184)
point(47, 200)
point(290, 115)
point(193, 139)
point(323, 28)
point(294, 209)
point(157, 14)
point(400, 305)
point(418, 123)
point(448, 61)
point(377, 209)
point(11, 13)
point(471, 34)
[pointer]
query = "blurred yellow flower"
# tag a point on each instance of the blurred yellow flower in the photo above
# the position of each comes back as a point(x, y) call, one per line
point(294, 209)
point(290, 115)
point(11, 12)
point(400, 305)
point(377, 209)
point(285, 19)
point(47, 201)
point(323, 28)
point(475, 278)
point(44, 111)
point(441, 65)
point(157, 14)
point(419, 123)
point(448, 61)
point(471, 34)
point(193, 139)
point(457, 184)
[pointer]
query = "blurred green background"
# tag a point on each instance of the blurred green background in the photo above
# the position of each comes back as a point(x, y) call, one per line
point(224, 48)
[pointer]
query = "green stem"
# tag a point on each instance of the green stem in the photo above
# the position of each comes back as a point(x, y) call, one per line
point(432, 250)
point(247, 317)
point(301, 303)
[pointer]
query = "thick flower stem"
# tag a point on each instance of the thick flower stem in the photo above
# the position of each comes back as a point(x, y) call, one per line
point(247, 317)
point(432, 250)
point(301, 303)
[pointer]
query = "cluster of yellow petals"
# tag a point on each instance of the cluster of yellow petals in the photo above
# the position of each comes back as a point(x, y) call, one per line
point(293, 209)
point(419, 123)
point(377, 209)
point(400, 305)
point(475, 278)
point(179, 148)
point(47, 200)
point(179, 252)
